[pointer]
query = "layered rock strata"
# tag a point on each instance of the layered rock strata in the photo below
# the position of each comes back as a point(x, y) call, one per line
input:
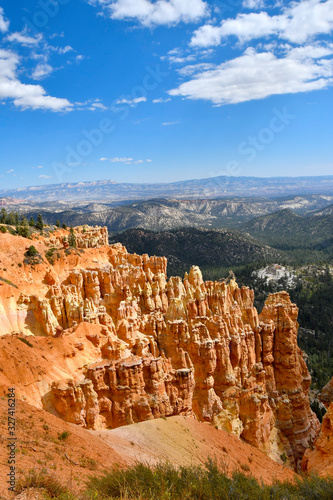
point(176, 347)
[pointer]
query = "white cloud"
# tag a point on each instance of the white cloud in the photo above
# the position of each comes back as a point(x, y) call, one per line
point(160, 12)
point(206, 36)
point(131, 102)
point(258, 75)
point(177, 56)
point(24, 39)
point(97, 105)
point(149, 161)
point(23, 95)
point(161, 100)
point(92, 105)
point(195, 68)
point(166, 124)
point(10, 171)
point(42, 71)
point(121, 160)
point(44, 176)
point(297, 23)
point(253, 4)
point(181, 56)
point(127, 161)
point(4, 24)
point(64, 50)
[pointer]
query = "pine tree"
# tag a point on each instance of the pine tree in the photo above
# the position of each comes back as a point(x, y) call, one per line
point(11, 219)
point(58, 223)
point(72, 238)
point(40, 223)
point(3, 216)
point(24, 221)
point(64, 226)
point(32, 222)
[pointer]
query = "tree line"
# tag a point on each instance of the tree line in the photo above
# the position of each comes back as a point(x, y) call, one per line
point(23, 226)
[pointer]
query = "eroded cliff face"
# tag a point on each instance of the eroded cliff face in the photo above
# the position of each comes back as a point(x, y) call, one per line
point(319, 457)
point(170, 347)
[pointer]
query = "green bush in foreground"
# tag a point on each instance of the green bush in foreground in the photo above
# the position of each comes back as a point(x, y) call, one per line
point(166, 482)
point(50, 485)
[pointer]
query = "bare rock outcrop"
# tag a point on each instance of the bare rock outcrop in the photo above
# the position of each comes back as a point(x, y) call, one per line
point(326, 394)
point(319, 457)
point(173, 347)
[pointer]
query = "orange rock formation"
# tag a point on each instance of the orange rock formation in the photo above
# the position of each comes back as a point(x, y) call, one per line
point(319, 457)
point(129, 345)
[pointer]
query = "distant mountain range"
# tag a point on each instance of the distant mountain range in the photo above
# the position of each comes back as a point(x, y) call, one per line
point(286, 230)
point(212, 187)
point(286, 222)
point(281, 236)
point(160, 214)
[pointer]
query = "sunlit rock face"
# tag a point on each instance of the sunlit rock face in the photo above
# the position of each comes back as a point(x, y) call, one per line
point(152, 347)
point(318, 458)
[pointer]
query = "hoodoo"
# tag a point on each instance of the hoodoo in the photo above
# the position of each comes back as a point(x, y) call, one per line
point(112, 341)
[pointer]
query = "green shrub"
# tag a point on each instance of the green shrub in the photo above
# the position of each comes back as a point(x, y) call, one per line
point(25, 341)
point(50, 255)
point(3, 229)
point(31, 252)
point(46, 482)
point(164, 481)
point(23, 231)
point(63, 436)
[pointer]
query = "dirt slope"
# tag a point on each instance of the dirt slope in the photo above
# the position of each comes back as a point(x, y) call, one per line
point(39, 447)
point(185, 441)
point(180, 440)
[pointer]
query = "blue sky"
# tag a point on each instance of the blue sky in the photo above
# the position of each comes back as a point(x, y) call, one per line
point(166, 90)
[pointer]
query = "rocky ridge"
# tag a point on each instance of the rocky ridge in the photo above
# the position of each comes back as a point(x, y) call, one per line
point(129, 345)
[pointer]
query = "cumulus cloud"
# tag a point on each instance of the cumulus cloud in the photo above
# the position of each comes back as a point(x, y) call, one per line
point(256, 75)
point(297, 23)
point(161, 12)
point(4, 23)
point(23, 95)
point(44, 176)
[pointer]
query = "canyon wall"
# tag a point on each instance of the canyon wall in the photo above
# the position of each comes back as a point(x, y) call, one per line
point(167, 347)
